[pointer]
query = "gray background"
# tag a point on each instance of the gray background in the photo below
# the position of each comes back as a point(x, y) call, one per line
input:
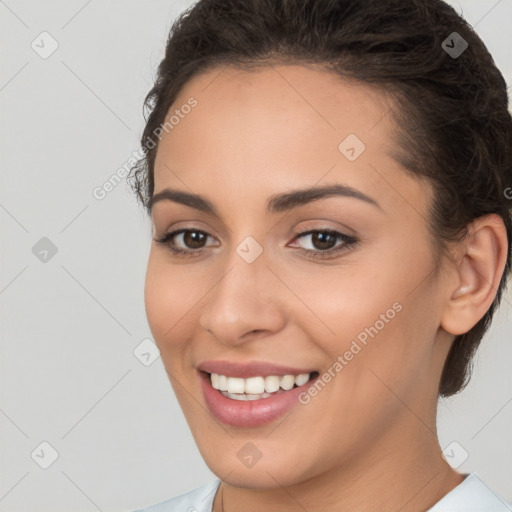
point(69, 326)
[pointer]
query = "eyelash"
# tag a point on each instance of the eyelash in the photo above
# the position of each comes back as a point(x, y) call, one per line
point(348, 242)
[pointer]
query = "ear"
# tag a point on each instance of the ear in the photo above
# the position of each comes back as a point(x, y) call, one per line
point(478, 271)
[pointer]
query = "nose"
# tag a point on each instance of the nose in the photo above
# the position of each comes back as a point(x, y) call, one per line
point(245, 301)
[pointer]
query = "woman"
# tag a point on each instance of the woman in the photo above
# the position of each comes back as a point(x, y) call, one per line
point(327, 182)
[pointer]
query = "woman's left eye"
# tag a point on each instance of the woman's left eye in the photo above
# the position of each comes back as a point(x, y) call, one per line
point(326, 237)
point(320, 238)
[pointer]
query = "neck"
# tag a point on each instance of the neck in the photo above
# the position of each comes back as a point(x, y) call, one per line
point(406, 473)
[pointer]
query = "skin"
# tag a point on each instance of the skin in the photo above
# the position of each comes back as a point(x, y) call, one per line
point(368, 440)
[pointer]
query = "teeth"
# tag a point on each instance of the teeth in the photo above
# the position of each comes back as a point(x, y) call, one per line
point(254, 385)
point(223, 383)
point(271, 383)
point(287, 382)
point(301, 379)
point(243, 396)
point(254, 388)
point(234, 396)
point(236, 385)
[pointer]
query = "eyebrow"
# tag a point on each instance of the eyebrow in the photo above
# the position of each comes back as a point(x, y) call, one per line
point(275, 204)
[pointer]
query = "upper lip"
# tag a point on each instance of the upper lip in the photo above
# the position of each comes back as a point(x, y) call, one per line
point(250, 369)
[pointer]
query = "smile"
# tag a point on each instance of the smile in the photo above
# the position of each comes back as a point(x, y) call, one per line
point(256, 388)
point(254, 400)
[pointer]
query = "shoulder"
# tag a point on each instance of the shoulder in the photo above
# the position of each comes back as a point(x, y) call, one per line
point(471, 495)
point(199, 499)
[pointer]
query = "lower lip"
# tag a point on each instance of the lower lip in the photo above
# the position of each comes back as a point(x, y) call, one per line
point(249, 413)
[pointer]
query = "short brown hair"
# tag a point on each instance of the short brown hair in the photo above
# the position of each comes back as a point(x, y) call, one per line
point(454, 127)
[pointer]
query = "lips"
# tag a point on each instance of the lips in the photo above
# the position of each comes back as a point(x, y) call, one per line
point(256, 411)
point(252, 369)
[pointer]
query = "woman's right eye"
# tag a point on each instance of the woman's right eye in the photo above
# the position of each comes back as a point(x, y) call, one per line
point(190, 237)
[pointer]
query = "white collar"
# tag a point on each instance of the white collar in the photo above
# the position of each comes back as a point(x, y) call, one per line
point(471, 495)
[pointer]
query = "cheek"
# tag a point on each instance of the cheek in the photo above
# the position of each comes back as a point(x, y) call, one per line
point(340, 303)
point(165, 303)
point(368, 317)
point(155, 299)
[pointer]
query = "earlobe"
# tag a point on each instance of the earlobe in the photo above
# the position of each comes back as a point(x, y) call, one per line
point(478, 274)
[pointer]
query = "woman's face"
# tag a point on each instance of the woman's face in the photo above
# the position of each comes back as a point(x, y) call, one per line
point(365, 318)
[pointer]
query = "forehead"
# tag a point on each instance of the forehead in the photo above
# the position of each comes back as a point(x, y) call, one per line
point(261, 129)
point(278, 106)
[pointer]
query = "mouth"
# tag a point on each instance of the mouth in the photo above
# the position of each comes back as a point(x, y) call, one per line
point(257, 387)
point(253, 393)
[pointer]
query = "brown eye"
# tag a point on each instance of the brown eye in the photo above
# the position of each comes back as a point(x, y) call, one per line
point(323, 242)
point(194, 239)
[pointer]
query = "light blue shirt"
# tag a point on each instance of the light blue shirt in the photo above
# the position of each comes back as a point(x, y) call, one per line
point(471, 495)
